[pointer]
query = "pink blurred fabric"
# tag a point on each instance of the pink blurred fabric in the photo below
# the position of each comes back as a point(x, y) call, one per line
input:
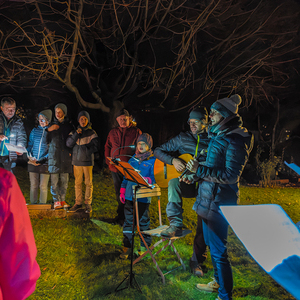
point(122, 195)
point(19, 269)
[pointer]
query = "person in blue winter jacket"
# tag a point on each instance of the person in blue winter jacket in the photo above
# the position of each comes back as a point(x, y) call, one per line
point(37, 150)
point(143, 160)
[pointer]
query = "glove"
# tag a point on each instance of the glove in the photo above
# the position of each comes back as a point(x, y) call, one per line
point(149, 180)
point(122, 195)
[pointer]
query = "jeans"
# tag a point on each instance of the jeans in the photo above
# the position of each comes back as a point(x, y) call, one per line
point(215, 235)
point(59, 191)
point(118, 178)
point(87, 171)
point(36, 180)
point(7, 164)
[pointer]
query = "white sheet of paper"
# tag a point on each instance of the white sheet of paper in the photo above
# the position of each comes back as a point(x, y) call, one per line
point(15, 148)
point(272, 239)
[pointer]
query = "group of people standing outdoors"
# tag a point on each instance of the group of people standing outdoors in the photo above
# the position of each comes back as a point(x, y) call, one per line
point(55, 149)
point(220, 148)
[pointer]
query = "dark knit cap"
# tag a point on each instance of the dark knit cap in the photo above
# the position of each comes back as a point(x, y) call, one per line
point(122, 112)
point(146, 138)
point(85, 114)
point(63, 107)
point(227, 107)
point(199, 113)
point(47, 113)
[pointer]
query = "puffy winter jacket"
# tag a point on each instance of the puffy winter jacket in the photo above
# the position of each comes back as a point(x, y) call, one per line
point(15, 131)
point(227, 154)
point(183, 143)
point(38, 148)
point(59, 155)
point(19, 270)
point(84, 146)
point(146, 170)
point(117, 143)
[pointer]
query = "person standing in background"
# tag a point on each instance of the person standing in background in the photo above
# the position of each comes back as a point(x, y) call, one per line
point(85, 143)
point(59, 156)
point(12, 131)
point(37, 150)
point(120, 143)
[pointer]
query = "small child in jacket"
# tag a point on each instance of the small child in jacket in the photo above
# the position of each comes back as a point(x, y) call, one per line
point(85, 143)
point(37, 150)
point(143, 160)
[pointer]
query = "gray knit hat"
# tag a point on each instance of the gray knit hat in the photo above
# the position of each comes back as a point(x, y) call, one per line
point(63, 107)
point(122, 112)
point(47, 113)
point(146, 138)
point(227, 106)
point(199, 113)
point(84, 113)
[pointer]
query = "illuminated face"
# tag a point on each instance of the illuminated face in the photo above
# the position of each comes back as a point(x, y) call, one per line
point(215, 117)
point(9, 110)
point(196, 126)
point(43, 121)
point(123, 121)
point(142, 147)
point(83, 121)
point(59, 114)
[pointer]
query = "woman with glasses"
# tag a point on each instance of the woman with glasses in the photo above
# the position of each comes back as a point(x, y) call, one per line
point(38, 158)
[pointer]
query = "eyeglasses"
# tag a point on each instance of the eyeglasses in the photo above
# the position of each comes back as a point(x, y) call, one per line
point(194, 123)
point(213, 112)
point(42, 120)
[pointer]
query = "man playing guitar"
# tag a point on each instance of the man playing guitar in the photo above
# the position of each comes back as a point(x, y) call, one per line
point(194, 143)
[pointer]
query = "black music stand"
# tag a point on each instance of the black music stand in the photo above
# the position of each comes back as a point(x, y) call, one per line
point(132, 175)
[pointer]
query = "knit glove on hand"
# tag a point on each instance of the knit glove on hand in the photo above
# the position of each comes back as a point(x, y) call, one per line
point(122, 195)
point(149, 180)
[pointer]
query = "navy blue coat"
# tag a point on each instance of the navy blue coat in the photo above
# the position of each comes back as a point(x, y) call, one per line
point(227, 154)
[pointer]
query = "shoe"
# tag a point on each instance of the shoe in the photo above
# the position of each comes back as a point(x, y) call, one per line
point(75, 207)
point(172, 231)
point(57, 205)
point(64, 204)
point(211, 287)
point(126, 253)
point(88, 208)
point(196, 268)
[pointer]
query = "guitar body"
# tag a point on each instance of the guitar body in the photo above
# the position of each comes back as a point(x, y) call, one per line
point(164, 172)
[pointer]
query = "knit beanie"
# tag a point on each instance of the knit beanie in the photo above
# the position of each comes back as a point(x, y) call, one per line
point(63, 107)
point(85, 114)
point(47, 113)
point(122, 112)
point(227, 106)
point(146, 138)
point(199, 113)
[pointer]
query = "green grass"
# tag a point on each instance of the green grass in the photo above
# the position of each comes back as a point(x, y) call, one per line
point(79, 259)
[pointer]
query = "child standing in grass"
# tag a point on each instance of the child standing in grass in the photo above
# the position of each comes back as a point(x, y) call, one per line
point(85, 143)
point(143, 160)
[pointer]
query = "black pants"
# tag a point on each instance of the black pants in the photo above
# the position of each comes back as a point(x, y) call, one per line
point(6, 163)
point(144, 221)
point(118, 178)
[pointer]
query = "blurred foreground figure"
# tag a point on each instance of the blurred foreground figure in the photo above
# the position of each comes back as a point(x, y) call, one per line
point(19, 270)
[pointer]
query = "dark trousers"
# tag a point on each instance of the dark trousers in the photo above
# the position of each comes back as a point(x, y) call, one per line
point(144, 221)
point(176, 191)
point(6, 163)
point(117, 179)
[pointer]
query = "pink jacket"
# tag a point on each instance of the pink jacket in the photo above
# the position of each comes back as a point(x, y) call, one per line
point(19, 270)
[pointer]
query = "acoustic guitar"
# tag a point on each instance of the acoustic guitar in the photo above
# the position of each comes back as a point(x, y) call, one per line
point(164, 172)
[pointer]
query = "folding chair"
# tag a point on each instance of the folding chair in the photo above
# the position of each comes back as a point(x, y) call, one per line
point(143, 192)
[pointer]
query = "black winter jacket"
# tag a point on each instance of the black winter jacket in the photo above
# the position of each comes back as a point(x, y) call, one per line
point(227, 154)
point(59, 155)
point(185, 142)
point(84, 146)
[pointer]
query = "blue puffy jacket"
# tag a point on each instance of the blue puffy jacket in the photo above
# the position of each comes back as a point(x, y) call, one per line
point(227, 154)
point(146, 170)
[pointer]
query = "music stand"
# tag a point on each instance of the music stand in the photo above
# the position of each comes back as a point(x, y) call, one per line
point(133, 175)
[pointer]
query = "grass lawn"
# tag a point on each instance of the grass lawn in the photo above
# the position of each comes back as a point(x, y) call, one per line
point(80, 259)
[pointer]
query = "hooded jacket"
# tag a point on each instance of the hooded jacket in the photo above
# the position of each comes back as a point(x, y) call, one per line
point(84, 146)
point(227, 153)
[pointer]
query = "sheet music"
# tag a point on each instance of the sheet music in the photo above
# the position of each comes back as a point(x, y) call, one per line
point(15, 148)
